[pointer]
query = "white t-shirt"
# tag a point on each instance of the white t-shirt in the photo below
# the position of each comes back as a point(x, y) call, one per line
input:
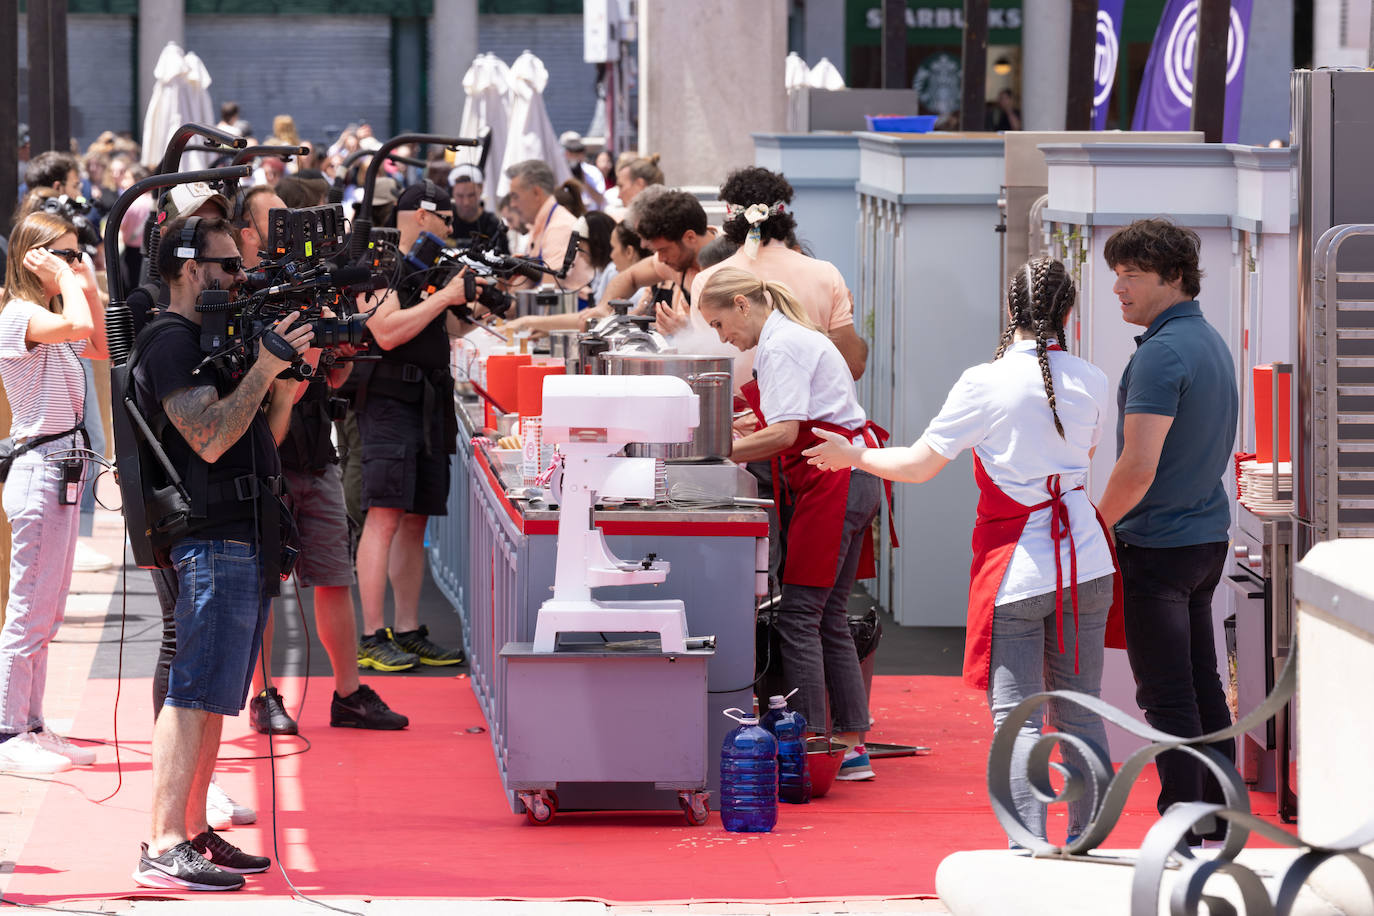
point(802, 376)
point(1000, 410)
point(46, 384)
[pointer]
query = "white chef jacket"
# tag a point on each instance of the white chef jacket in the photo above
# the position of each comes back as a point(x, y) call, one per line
point(1001, 411)
point(802, 376)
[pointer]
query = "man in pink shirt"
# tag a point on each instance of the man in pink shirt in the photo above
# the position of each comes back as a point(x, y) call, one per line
point(757, 199)
point(551, 226)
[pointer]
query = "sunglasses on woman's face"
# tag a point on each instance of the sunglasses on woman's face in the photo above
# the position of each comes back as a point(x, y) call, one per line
point(66, 254)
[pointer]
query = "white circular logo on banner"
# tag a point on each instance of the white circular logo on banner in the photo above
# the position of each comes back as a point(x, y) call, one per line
point(1104, 66)
point(1180, 52)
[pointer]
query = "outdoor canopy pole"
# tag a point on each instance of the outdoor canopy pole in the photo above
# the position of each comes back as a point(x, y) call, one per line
point(894, 44)
point(1209, 69)
point(1078, 113)
point(975, 64)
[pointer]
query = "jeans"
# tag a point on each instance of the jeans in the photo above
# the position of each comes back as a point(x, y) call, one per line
point(818, 654)
point(1026, 660)
point(220, 614)
point(1174, 659)
point(165, 584)
point(43, 543)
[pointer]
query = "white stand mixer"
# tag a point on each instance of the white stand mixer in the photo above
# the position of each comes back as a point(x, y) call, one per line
point(591, 418)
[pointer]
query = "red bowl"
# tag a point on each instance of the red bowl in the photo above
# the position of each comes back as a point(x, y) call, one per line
point(823, 760)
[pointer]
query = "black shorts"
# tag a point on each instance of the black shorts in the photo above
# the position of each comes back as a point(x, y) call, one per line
point(397, 473)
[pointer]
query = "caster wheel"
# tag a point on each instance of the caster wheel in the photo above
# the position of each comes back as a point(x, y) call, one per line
point(540, 808)
point(697, 808)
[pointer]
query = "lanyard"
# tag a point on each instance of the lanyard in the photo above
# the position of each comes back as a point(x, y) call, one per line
point(545, 228)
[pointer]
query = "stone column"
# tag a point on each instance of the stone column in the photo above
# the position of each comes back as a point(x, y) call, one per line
point(1045, 63)
point(159, 21)
point(710, 75)
point(452, 48)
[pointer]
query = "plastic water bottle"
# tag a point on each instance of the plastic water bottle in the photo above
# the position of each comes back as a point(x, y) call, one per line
point(789, 727)
point(748, 777)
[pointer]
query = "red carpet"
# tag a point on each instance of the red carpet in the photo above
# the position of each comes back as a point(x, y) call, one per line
point(420, 813)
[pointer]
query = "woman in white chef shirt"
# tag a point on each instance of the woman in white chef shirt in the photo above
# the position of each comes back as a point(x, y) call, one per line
point(1033, 417)
point(802, 385)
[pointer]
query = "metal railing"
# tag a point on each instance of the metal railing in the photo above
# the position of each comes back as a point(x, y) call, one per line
point(1165, 846)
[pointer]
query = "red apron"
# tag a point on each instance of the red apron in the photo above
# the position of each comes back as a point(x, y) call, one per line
point(1001, 520)
point(819, 500)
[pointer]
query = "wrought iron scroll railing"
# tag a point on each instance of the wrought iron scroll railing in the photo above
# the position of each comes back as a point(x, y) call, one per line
point(1165, 846)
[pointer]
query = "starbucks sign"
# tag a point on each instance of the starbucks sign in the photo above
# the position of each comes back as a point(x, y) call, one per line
point(939, 83)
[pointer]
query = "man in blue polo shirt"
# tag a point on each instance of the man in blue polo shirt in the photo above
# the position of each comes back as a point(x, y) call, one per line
point(1176, 426)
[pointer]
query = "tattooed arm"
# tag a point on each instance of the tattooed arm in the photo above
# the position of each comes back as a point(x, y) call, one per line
point(210, 424)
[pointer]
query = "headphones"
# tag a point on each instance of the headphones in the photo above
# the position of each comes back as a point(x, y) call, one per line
point(187, 248)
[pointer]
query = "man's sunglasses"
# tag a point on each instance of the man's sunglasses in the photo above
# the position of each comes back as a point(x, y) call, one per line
point(230, 265)
point(67, 254)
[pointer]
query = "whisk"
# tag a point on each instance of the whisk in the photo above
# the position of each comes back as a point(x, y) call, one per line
point(690, 496)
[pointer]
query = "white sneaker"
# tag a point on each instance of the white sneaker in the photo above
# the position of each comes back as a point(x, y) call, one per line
point(49, 741)
point(87, 559)
point(222, 811)
point(23, 754)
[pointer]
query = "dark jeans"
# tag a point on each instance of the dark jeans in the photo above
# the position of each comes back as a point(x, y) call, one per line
point(818, 655)
point(168, 589)
point(1168, 593)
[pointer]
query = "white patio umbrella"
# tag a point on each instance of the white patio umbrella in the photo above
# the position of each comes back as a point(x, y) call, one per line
point(531, 134)
point(487, 84)
point(181, 95)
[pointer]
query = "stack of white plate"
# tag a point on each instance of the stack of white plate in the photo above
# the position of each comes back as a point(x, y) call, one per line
point(1257, 487)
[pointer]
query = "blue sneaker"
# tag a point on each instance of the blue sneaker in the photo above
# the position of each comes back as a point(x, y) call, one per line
point(856, 765)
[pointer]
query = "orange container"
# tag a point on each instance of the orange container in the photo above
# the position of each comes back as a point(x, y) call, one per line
point(529, 386)
point(501, 368)
point(1264, 415)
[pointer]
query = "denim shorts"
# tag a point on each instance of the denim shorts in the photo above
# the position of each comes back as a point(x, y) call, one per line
point(219, 616)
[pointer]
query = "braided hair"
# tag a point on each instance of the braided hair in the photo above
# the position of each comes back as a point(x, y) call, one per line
point(1039, 297)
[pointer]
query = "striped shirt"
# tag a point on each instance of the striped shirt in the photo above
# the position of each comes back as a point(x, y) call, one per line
point(46, 384)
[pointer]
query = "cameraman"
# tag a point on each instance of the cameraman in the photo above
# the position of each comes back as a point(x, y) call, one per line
point(220, 443)
point(314, 489)
point(409, 427)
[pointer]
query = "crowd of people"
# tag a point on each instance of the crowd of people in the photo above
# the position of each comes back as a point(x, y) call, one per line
point(271, 459)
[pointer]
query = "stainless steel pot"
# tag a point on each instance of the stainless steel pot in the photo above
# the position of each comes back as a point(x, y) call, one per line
point(544, 301)
point(710, 378)
point(563, 346)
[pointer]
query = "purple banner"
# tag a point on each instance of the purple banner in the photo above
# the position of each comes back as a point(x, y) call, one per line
point(1166, 92)
point(1106, 57)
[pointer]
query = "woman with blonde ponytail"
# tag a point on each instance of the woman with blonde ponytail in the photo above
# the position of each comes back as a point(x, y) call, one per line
point(1033, 418)
point(802, 383)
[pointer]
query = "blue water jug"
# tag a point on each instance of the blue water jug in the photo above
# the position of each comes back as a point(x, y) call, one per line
point(748, 777)
point(789, 727)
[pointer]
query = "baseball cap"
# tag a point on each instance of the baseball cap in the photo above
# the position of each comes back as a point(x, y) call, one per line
point(425, 195)
point(185, 199)
point(571, 141)
point(465, 172)
point(384, 191)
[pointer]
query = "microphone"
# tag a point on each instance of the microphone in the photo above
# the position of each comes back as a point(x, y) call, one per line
point(579, 233)
point(530, 270)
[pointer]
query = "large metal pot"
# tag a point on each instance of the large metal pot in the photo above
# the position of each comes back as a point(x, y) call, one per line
point(710, 378)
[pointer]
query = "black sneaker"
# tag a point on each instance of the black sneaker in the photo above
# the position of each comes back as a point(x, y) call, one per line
point(417, 643)
point(225, 856)
point(267, 712)
point(364, 709)
point(181, 867)
point(380, 651)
